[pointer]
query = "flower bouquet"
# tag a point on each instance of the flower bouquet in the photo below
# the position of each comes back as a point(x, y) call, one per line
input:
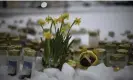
point(57, 40)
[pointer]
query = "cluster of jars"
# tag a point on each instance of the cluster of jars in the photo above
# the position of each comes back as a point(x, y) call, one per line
point(14, 51)
point(112, 54)
point(118, 55)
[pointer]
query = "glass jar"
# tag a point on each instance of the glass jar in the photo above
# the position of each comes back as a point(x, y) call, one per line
point(116, 43)
point(76, 43)
point(120, 60)
point(28, 63)
point(18, 47)
point(102, 44)
point(124, 46)
point(110, 49)
point(3, 57)
point(122, 51)
point(13, 62)
point(93, 39)
point(128, 47)
point(100, 53)
point(3, 35)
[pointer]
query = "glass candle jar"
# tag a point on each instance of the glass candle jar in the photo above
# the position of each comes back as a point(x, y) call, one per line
point(110, 49)
point(100, 53)
point(93, 39)
point(122, 51)
point(76, 43)
point(124, 46)
point(102, 44)
point(3, 35)
point(119, 60)
point(28, 63)
point(3, 57)
point(18, 47)
point(128, 47)
point(116, 43)
point(13, 62)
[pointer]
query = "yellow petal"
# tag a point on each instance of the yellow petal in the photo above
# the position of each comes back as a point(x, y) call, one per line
point(47, 35)
point(41, 22)
point(60, 20)
point(48, 19)
point(77, 21)
point(55, 20)
point(65, 16)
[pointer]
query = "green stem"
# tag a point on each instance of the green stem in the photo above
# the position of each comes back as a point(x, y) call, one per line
point(61, 24)
point(48, 56)
point(54, 25)
point(70, 27)
point(51, 26)
point(42, 27)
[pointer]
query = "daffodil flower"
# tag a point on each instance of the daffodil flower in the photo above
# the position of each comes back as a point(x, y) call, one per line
point(65, 27)
point(41, 22)
point(55, 20)
point(60, 20)
point(65, 16)
point(77, 21)
point(48, 19)
point(47, 35)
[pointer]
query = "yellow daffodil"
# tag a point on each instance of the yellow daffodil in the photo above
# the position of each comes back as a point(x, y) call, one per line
point(65, 16)
point(47, 35)
point(77, 21)
point(65, 27)
point(60, 20)
point(48, 19)
point(41, 22)
point(55, 20)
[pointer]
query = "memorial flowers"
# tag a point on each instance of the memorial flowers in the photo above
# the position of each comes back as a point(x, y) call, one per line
point(57, 40)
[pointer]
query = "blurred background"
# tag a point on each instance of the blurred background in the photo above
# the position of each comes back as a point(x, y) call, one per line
point(112, 19)
point(105, 16)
